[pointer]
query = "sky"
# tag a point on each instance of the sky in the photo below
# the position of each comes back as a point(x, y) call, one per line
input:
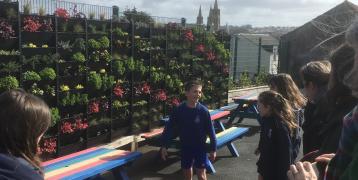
point(258, 13)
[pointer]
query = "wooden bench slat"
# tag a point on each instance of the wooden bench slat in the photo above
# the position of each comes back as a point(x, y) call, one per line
point(95, 166)
point(43, 164)
point(153, 133)
point(77, 159)
point(219, 115)
point(234, 134)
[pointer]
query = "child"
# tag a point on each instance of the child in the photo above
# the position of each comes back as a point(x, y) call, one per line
point(283, 84)
point(315, 76)
point(192, 122)
point(24, 119)
point(277, 129)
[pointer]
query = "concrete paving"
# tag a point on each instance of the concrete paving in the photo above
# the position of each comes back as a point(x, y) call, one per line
point(150, 167)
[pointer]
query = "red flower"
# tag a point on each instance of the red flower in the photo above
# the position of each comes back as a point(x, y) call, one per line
point(49, 146)
point(31, 24)
point(81, 124)
point(118, 91)
point(6, 30)
point(188, 35)
point(210, 56)
point(160, 95)
point(174, 101)
point(61, 12)
point(66, 128)
point(145, 88)
point(94, 107)
point(200, 48)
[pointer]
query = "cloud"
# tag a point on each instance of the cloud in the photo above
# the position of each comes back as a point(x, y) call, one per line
point(233, 12)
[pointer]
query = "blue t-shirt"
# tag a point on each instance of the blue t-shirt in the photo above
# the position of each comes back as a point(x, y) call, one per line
point(192, 125)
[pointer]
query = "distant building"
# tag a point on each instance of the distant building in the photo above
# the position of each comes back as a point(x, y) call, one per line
point(246, 53)
point(213, 21)
point(199, 19)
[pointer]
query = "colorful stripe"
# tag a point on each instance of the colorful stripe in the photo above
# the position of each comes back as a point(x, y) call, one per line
point(219, 115)
point(153, 133)
point(229, 135)
point(85, 167)
point(77, 159)
point(43, 164)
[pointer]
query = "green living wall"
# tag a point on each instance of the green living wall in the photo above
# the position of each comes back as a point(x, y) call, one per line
point(105, 78)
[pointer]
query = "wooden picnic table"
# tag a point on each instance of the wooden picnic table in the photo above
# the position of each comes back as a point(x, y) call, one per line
point(247, 108)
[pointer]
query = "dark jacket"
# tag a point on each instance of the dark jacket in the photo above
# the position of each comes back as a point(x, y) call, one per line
point(315, 115)
point(12, 168)
point(275, 150)
point(330, 131)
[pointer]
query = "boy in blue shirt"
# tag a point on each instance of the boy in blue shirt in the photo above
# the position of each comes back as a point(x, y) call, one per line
point(191, 121)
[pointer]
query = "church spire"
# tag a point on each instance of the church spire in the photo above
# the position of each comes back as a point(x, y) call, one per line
point(199, 19)
point(216, 5)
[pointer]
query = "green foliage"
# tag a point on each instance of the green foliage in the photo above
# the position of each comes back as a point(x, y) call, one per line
point(232, 84)
point(116, 104)
point(261, 79)
point(27, 8)
point(42, 11)
point(74, 99)
point(65, 45)
point(130, 64)
point(48, 73)
point(11, 13)
point(78, 57)
point(118, 67)
point(118, 32)
point(10, 67)
point(138, 16)
point(94, 80)
point(80, 44)
point(93, 44)
point(78, 28)
point(107, 82)
point(31, 76)
point(244, 80)
point(46, 60)
point(105, 56)
point(55, 116)
point(8, 82)
point(92, 28)
point(104, 42)
point(9, 53)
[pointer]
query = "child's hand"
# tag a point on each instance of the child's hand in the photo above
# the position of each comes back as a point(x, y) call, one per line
point(301, 171)
point(257, 151)
point(325, 158)
point(163, 153)
point(212, 156)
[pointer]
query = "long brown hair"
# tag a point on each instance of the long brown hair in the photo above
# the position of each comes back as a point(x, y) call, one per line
point(23, 118)
point(288, 89)
point(279, 108)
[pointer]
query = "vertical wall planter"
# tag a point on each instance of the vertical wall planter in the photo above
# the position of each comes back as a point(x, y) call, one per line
point(105, 79)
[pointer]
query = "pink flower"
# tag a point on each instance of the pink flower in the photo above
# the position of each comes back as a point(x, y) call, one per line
point(61, 12)
point(49, 146)
point(94, 107)
point(81, 124)
point(188, 35)
point(118, 91)
point(210, 56)
point(66, 128)
point(200, 48)
point(145, 88)
point(31, 24)
point(160, 95)
point(174, 101)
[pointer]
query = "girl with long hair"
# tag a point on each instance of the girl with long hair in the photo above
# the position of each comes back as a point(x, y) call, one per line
point(24, 118)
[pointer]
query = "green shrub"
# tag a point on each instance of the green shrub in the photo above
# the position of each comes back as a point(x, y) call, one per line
point(107, 82)
point(94, 80)
point(118, 67)
point(244, 80)
point(104, 42)
point(31, 76)
point(80, 44)
point(8, 82)
point(261, 79)
point(48, 74)
point(77, 28)
point(93, 44)
point(55, 116)
point(78, 57)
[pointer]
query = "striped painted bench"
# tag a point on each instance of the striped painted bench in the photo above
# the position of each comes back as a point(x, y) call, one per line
point(225, 138)
point(214, 114)
point(89, 163)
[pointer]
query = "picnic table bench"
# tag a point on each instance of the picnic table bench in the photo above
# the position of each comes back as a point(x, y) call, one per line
point(246, 108)
point(225, 137)
point(89, 163)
